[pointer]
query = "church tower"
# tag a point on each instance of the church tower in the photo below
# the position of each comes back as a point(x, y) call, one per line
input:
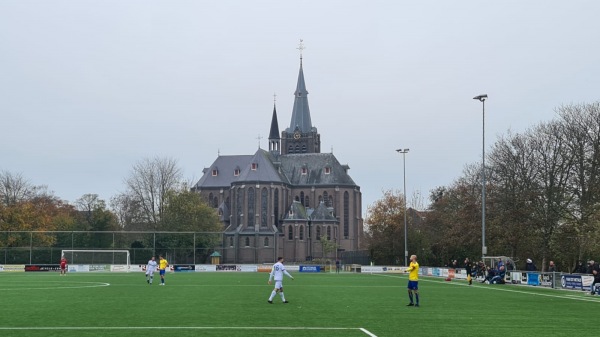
point(301, 136)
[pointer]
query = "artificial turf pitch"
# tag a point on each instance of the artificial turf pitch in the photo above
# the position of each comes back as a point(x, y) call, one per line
point(325, 304)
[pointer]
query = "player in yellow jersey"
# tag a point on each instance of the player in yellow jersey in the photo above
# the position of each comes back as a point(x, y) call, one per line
point(413, 281)
point(162, 267)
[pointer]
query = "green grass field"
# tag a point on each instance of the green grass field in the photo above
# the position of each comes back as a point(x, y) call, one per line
point(235, 304)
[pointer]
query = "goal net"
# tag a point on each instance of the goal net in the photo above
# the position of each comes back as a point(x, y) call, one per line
point(85, 256)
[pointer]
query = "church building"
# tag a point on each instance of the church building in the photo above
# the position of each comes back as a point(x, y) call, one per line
point(291, 201)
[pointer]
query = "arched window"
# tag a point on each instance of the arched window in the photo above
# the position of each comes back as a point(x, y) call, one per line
point(328, 232)
point(231, 242)
point(291, 149)
point(266, 243)
point(239, 207)
point(301, 234)
point(210, 199)
point(302, 198)
point(215, 202)
point(320, 199)
point(276, 207)
point(303, 148)
point(251, 204)
point(326, 198)
point(318, 232)
point(297, 198)
point(306, 202)
point(263, 207)
point(247, 242)
point(297, 149)
point(346, 215)
point(290, 232)
point(330, 202)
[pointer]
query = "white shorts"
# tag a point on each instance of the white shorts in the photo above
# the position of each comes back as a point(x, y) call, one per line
point(150, 272)
point(278, 284)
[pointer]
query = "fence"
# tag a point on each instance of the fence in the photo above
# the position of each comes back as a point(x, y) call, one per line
point(45, 247)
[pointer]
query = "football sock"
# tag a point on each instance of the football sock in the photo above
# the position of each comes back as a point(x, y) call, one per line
point(282, 297)
point(417, 298)
point(272, 295)
point(410, 295)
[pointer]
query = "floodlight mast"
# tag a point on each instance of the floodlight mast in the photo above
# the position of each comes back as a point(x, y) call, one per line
point(482, 99)
point(404, 152)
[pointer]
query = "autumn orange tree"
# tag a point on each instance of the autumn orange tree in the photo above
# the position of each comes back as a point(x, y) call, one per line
point(385, 229)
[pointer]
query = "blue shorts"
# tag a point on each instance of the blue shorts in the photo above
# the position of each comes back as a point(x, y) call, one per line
point(161, 272)
point(413, 285)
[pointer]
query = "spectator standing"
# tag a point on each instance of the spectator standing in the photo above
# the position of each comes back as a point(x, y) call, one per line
point(551, 267)
point(530, 266)
point(579, 268)
point(469, 270)
point(596, 282)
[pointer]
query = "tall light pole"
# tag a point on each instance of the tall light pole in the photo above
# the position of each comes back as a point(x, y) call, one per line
point(482, 99)
point(404, 152)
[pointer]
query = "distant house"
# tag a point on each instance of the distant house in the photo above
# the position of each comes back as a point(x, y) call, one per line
point(283, 201)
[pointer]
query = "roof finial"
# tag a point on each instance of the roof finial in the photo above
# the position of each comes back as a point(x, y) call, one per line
point(259, 138)
point(301, 47)
point(274, 98)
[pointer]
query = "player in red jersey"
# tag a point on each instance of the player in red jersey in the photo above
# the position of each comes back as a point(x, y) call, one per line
point(63, 266)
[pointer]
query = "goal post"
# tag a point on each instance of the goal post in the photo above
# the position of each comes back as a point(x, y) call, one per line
point(87, 256)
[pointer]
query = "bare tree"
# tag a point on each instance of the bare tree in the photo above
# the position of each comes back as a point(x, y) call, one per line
point(14, 188)
point(148, 185)
point(581, 125)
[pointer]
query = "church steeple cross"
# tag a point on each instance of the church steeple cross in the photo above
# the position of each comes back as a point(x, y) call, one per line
point(301, 48)
point(259, 138)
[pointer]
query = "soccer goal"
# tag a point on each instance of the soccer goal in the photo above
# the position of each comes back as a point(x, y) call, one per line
point(85, 256)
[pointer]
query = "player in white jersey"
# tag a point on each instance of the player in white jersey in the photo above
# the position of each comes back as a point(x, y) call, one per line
point(277, 273)
point(150, 269)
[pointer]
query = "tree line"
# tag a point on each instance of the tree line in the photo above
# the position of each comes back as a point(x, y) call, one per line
point(542, 201)
point(156, 198)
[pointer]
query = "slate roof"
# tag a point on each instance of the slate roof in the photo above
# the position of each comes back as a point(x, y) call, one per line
point(225, 165)
point(265, 171)
point(315, 164)
point(322, 213)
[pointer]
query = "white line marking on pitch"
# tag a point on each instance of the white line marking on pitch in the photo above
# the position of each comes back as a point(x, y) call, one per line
point(368, 332)
point(82, 285)
point(182, 328)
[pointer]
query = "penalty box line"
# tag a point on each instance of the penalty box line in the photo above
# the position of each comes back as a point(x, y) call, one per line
point(58, 328)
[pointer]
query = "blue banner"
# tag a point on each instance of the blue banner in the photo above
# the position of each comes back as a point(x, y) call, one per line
point(310, 269)
point(571, 282)
point(184, 268)
point(533, 279)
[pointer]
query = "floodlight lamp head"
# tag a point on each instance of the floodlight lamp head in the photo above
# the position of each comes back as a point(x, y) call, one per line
point(402, 150)
point(481, 98)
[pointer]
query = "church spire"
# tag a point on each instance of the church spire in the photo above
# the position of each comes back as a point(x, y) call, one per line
point(301, 112)
point(274, 139)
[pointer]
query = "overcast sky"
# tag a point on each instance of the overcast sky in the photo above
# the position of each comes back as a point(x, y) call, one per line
point(89, 88)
